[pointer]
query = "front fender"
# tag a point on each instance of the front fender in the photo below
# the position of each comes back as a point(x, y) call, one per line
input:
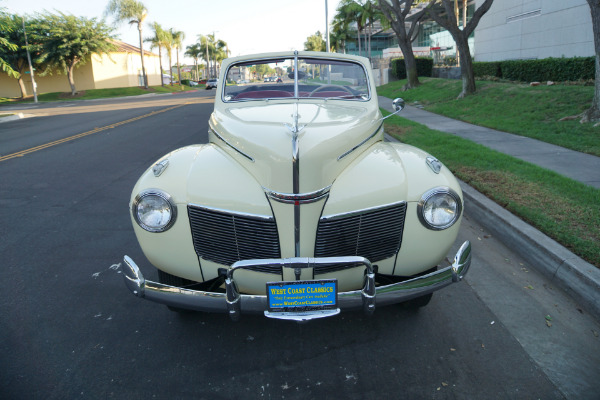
point(388, 173)
point(203, 175)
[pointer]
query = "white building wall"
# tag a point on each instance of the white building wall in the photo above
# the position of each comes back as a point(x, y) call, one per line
point(530, 29)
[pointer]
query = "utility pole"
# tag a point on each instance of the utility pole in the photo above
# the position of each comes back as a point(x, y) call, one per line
point(30, 66)
point(326, 26)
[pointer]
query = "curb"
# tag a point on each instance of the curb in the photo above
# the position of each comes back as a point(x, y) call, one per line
point(580, 279)
point(12, 117)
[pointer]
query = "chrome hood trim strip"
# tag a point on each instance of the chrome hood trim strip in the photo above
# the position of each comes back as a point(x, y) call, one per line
point(230, 145)
point(361, 143)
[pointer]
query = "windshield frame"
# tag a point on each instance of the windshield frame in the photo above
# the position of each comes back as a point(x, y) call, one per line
point(317, 58)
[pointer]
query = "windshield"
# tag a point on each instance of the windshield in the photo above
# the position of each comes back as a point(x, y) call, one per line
point(317, 78)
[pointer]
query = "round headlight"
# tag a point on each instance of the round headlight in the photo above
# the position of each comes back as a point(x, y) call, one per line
point(154, 210)
point(439, 208)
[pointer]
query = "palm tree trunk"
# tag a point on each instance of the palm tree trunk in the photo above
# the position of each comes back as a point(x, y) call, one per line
point(178, 66)
point(170, 69)
point(142, 56)
point(162, 83)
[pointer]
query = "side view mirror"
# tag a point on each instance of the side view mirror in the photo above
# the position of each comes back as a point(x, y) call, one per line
point(398, 104)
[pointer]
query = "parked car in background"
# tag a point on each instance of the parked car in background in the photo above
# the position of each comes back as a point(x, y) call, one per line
point(296, 207)
point(211, 84)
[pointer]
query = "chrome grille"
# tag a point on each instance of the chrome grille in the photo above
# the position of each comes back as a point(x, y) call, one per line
point(375, 234)
point(225, 237)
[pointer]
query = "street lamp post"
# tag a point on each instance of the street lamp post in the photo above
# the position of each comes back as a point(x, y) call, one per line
point(30, 66)
point(326, 26)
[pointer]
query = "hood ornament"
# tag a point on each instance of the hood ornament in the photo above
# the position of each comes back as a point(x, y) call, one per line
point(294, 128)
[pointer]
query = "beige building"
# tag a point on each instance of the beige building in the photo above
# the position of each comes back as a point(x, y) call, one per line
point(123, 68)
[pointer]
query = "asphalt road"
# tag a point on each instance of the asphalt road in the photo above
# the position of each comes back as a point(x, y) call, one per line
point(70, 329)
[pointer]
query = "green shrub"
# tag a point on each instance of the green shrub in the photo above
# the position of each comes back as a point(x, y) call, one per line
point(549, 69)
point(185, 82)
point(424, 67)
point(483, 68)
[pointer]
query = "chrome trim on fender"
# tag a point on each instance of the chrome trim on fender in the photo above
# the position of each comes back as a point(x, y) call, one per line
point(361, 143)
point(230, 145)
point(434, 164)
point(301, 198)
point(160, 167)
point(234, 303)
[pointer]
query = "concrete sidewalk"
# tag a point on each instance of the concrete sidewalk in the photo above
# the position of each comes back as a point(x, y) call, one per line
point(578, 166)
point(576, 276)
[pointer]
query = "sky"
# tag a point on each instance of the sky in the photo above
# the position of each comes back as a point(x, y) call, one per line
point(247, 26)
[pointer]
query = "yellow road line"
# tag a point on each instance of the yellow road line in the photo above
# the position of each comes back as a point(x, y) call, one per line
point(96, 130)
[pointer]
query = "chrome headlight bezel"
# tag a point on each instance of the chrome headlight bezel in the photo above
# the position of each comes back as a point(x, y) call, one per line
point(154, 193)
point(431, 195)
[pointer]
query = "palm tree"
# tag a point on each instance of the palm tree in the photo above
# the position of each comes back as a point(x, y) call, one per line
point(369, 14)
point(206, 50)
point(338, 36)
point(350, 12)
point(221, 53)
point(135, 13)
point(158, 40)
point(168, 44)
point(194, 51)
point(177, 39)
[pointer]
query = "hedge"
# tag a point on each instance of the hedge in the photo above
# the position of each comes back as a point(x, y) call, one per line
point(547, 69)
point(481, 69)
point(424, 67)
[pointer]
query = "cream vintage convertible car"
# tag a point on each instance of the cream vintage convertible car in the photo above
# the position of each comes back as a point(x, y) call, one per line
point(296, 208)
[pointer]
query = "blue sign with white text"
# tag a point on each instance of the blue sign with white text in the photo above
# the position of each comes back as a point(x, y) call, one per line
point(302, 295)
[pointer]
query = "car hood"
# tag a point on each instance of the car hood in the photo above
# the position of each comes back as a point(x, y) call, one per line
point(330, 134)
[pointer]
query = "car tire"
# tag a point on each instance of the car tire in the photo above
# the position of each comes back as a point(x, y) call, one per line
point(422, 301)
point(419, 302)
point(172, 280)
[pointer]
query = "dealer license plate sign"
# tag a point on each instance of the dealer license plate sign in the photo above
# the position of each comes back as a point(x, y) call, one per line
point(298, 296)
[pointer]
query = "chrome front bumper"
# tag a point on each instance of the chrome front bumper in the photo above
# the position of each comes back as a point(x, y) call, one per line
point(234, 303)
